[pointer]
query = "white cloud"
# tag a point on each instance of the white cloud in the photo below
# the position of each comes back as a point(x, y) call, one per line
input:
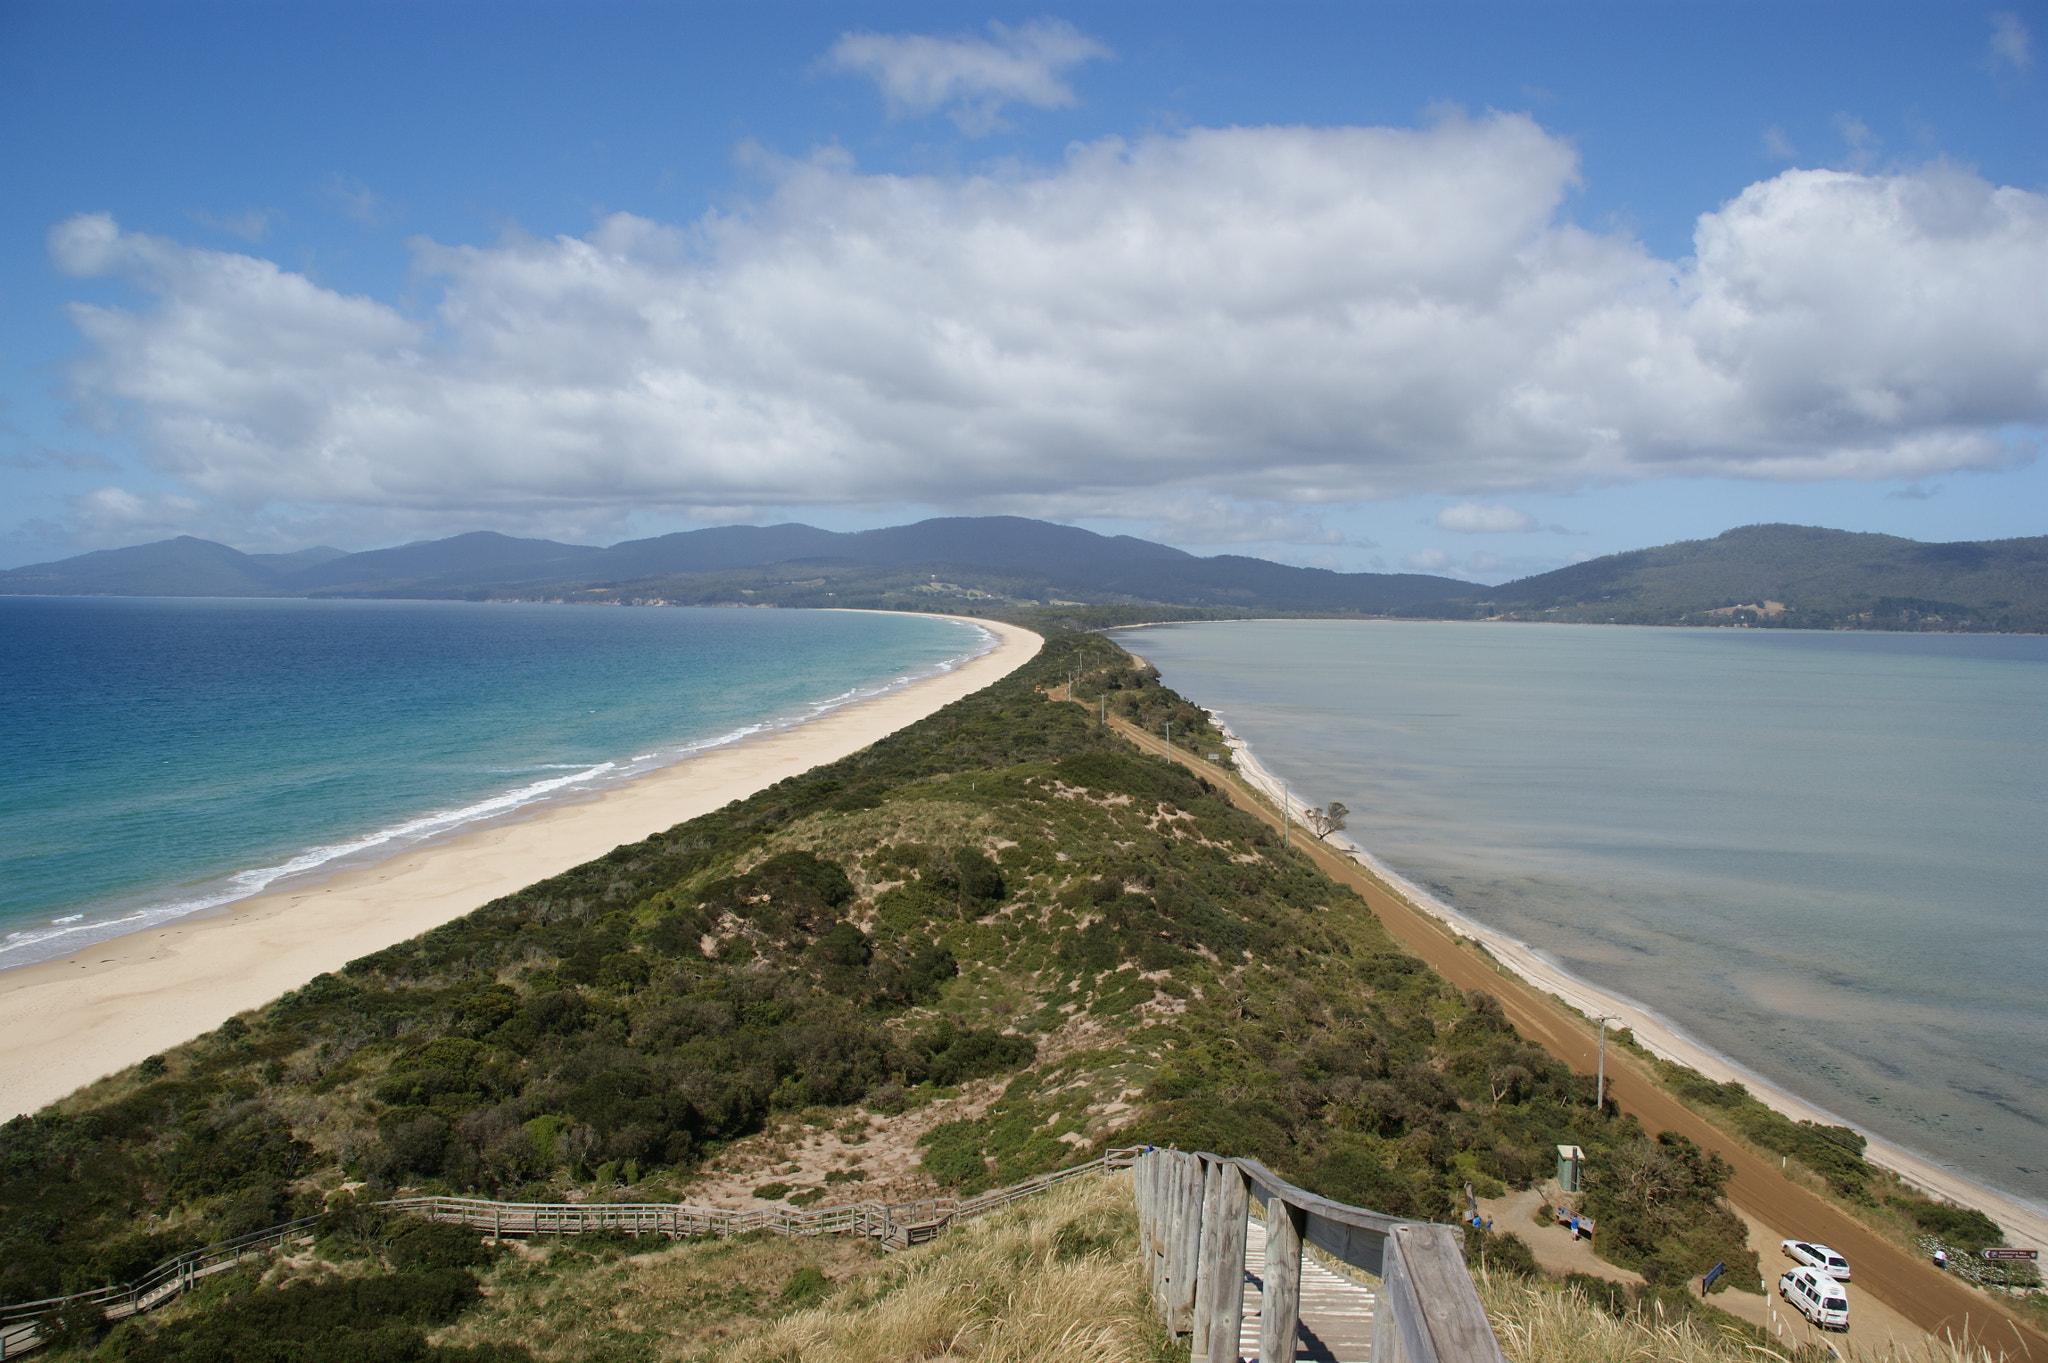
point(1778, 146)
point(1277, 317)
point(2012, 46)
point(971, 78)
point(112, 515)
point(1426, 561)
point(1215, 520)
point(1471, 518)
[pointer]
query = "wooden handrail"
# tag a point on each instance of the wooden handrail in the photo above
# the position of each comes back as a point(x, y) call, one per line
point(1192, 1213)
point(18, 1322)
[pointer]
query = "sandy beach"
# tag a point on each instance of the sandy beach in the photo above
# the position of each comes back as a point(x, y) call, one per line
point(2024, 1224)
point(66, 1023)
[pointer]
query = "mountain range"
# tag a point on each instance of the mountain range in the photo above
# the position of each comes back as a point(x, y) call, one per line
point(1770, 576)
point(1029, 560)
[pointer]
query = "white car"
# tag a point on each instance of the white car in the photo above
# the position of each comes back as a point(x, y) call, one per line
point(1817, 1256)
point(1816, 1296)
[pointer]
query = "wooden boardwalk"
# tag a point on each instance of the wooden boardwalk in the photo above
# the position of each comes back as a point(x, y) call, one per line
point(1336, 1314)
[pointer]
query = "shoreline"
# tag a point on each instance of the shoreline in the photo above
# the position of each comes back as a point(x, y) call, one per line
point(146, 911)
point(2024, 1223)
point(67, 1022)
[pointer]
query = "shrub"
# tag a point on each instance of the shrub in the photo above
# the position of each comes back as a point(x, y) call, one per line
point(804, 1287)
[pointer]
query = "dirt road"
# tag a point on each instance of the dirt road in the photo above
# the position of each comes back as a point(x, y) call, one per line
point(1935, 1302)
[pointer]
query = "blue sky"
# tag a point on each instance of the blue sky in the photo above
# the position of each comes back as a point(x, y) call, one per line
point(1477, 289)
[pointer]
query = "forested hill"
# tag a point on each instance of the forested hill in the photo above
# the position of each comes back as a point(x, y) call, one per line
point(1786, 577)
point(962, 562)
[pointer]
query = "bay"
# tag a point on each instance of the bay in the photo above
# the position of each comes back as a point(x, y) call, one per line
point(1820, 855)
point(165, 756)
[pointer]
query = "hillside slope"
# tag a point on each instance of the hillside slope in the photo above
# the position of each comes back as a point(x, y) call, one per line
point(1001, 929)
point(978, 558)
point(1789, 577)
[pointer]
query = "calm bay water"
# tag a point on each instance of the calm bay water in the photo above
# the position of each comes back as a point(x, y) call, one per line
point(166, 756)
point(1822, 855)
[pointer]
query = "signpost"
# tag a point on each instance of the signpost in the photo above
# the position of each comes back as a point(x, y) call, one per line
point(2024, 1254)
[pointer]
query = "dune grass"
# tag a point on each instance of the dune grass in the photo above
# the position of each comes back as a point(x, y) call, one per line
point(1055, 1278)
point(1541, 1321)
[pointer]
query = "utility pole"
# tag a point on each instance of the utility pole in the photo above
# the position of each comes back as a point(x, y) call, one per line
point(1600, 1084)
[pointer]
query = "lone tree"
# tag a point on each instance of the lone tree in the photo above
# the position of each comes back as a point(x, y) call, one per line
point(1327, 821)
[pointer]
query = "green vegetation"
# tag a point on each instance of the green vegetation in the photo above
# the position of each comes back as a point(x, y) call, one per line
point(1002, 917)
point(1832, 1157)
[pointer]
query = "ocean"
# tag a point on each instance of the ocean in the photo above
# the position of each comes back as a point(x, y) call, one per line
point(1820, 855)
point(167, 756)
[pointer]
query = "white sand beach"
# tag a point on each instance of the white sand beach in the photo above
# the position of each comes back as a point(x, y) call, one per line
point(67, 1022)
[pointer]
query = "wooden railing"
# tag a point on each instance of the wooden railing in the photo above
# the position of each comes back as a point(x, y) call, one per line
point(19, 1323)
point(1192, 1215)
point(896, 1226)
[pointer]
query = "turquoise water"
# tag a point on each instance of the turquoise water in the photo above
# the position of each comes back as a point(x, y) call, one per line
point(1821, 855)
point(166, 756)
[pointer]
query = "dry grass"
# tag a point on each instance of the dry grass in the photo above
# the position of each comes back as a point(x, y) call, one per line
point(1054, 1278)
point(1540, 1322)
point(566, 1304)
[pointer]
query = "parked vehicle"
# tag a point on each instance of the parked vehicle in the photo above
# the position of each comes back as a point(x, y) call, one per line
point(1816, 1296)
point(1817, 1256)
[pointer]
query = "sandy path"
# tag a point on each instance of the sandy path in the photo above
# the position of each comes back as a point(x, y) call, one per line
point(1930, 1301)
point(65, 1023)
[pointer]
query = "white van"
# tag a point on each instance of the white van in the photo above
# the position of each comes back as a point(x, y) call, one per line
point(1817, 1256)
point(1818, 1297)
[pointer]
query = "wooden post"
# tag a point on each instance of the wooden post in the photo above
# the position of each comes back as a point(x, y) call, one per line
point(1205, 1258)
point(1226, 1301)
point(1425, 1264)
point(1281, 1311)
point(1174, 1218)
point(1146, 1181)
point(1189, 1197)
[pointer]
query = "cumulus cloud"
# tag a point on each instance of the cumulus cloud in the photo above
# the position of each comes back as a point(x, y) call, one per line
point(112, 515)
point(972, 78)
point(1278, 317)
point(2012, 45)
point(1471, 518)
